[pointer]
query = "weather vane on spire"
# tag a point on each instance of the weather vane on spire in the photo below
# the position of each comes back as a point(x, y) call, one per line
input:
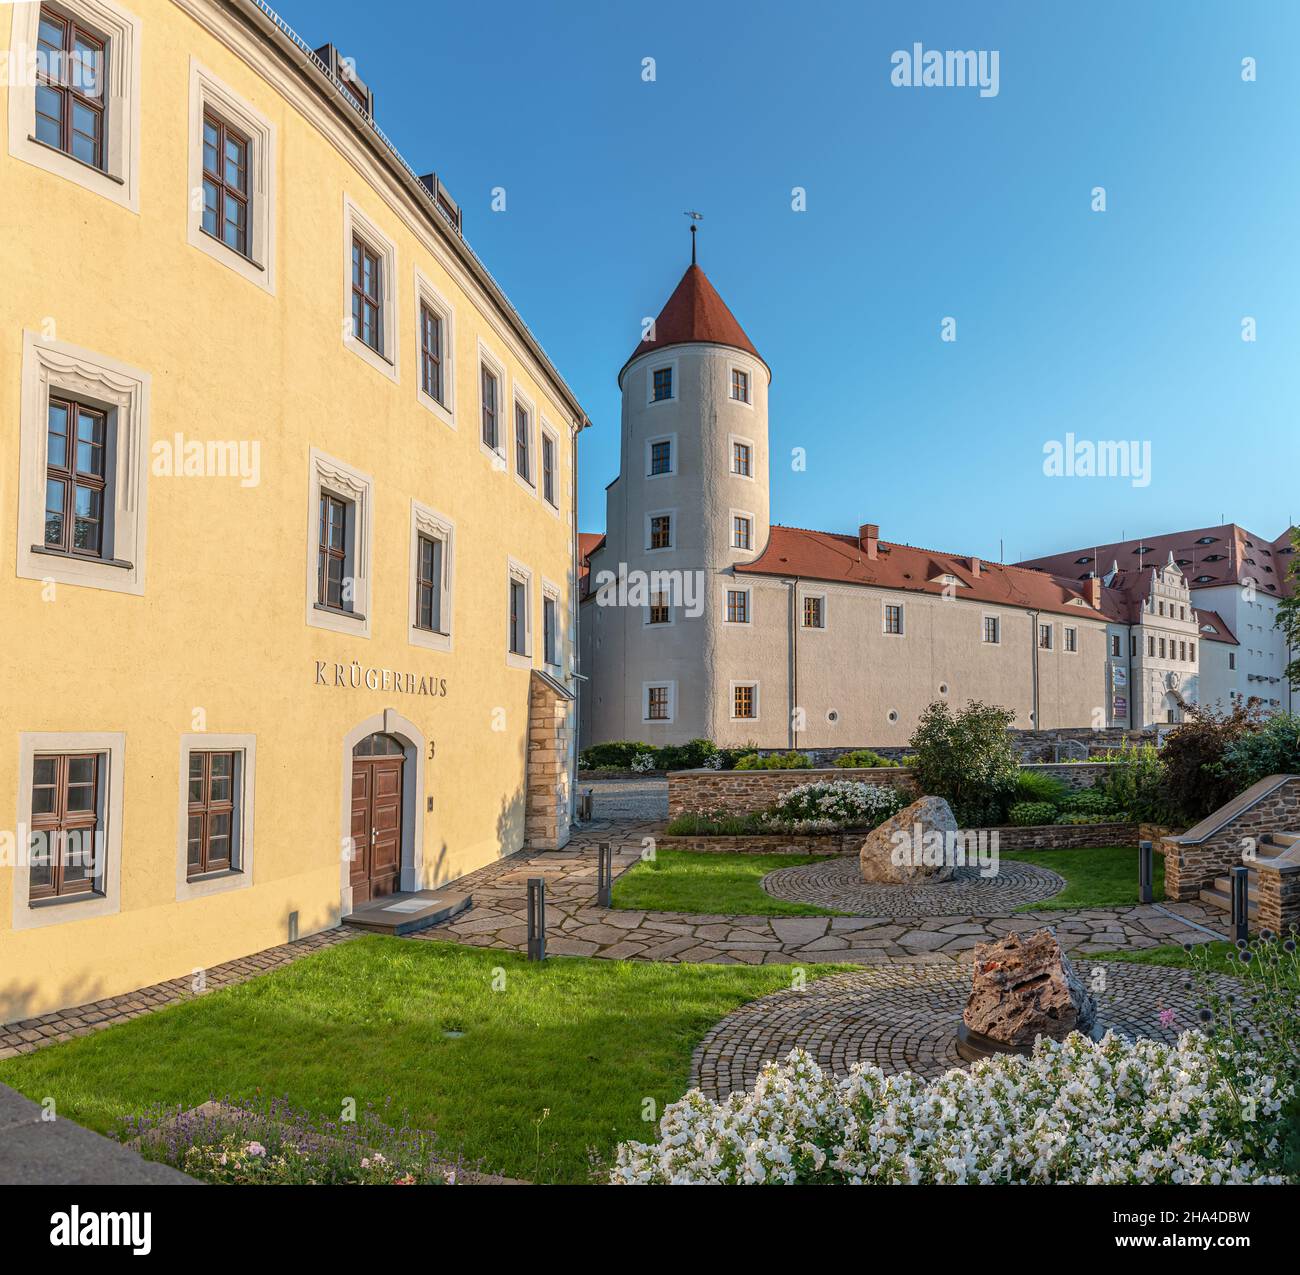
point(695, 217)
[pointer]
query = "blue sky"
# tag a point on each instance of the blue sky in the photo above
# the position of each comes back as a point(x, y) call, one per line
point(922, 203)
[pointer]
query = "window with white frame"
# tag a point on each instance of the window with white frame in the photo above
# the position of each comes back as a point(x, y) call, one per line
point(370, 290)
point(1071, 638)
point(551, 625)
point(338, 548)
point(70, 801)
point(1045, 637)
point(215, 845)
point(742, 458)
point(659, 530)
point(736, 610)
point(660, 610)
point(992, 630)
point(78, 115)
point(742, 531)
point(431, 561)
point(435, 387)
point(744, 701)
point(658, 701)
point(492, 381)
point(550, 466)
point(519, 632)
point(232, 179)
point(739, 385)
point(814, 611)
point(660, 456)
point(661, 383)
point(893, 618)
point(83, 457)
point(523, 441)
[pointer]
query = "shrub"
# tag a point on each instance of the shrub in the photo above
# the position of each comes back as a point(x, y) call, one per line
point(1039, 786)
point(273, 1144)
point(616, 756)
point(1089, 802)
point(1271, 749)
point(775, 761)
point(968, 759)
point(861, 759)
point(696, 754)
point(1196, 779)
point(1077, 818)
point(643, 762)
point(1135, 783)
point(841, 802)
point(719, 823)
point(1076, 1111)
point(1025, 814)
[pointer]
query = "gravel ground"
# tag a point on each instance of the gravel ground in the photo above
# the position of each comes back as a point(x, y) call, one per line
point(628, 798)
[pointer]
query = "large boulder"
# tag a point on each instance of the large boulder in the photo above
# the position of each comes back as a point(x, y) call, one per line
point(913, 846)
point(1024, 987)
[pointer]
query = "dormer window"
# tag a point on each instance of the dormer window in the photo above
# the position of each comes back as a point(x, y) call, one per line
point(1208, 540)
point(1204, 579)
point(1080, 561)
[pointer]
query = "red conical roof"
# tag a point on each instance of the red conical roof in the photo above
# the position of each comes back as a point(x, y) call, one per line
point(695, 313)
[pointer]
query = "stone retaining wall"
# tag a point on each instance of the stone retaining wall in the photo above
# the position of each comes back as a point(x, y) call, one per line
point(1197, 856)
point(828, 844)
point(742, 792)
point(1277, 892)
point(1067, 836)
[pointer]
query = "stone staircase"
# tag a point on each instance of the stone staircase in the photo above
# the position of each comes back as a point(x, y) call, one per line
point(1272, 847)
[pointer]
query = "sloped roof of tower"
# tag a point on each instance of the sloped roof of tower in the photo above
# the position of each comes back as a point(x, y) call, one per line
point(695, 314)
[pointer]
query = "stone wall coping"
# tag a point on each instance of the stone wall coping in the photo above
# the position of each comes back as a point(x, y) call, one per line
point(1231, 810)
point(1282, 869)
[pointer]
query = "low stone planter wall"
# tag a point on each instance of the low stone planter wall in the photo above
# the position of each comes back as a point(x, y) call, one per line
point(1156, 834)
point(833, 843)
point(741, 792)
point(595, 776)
point(1065, 836)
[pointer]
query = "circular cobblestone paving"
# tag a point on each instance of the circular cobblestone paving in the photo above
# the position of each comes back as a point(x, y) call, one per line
point(904, 1018)
point(837, 884)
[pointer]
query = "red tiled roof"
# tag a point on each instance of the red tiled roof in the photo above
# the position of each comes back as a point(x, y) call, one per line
point(825, 555)
point(695, 313)
point(588, 543)
point(1243, 555)
point(1222, 632)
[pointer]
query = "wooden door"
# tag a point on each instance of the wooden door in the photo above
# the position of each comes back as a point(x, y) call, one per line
point(376, 828)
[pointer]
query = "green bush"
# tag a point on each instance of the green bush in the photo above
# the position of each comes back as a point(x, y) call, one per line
point(1025, 814)
point(1078, 818)
point(862, 759)
point(1197, 778)
point(1272, 749)
point(1135, 783)
point(615, 756)
point(1039, 786)
point(775, 761)
point(1089, 802)
point(719, 823)
point(908, 759)
point(695, 754)
point(968, 759)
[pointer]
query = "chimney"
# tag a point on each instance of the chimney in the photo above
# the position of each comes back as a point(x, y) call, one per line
point(1093, 592)
point(869, 539)
point(975, 565)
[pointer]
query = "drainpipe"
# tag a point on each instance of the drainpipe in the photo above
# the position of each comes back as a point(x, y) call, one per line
point(794, 660)
point(1033, 647)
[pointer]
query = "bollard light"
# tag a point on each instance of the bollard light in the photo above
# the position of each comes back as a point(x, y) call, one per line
point(536, 919)
point(1240, 903)
point(605, 875)
point(1146, 873)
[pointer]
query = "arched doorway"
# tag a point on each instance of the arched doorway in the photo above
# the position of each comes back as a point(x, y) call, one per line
point(378, 765)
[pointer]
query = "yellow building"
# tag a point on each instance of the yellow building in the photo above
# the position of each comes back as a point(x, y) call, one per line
point(287, 545)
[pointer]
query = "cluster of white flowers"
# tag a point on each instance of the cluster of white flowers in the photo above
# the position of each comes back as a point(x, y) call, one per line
point(1077, 1111)
point(845, 803)
point(643, 762)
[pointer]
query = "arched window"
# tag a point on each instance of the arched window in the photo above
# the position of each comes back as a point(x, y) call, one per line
point(378, 745)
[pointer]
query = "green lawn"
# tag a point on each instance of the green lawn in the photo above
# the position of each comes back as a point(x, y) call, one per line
point(1221, 957)
point(587, 1040)
point(701, 881)
point(1105, 877)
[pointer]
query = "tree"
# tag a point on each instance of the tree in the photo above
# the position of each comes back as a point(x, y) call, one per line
point(968, 759)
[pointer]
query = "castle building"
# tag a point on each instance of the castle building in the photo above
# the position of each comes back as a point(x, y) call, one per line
point(1236, 579)
point(702, 617)
point(288, 545)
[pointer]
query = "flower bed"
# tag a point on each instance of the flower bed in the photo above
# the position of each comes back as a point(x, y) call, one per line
point(1075, 1112)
